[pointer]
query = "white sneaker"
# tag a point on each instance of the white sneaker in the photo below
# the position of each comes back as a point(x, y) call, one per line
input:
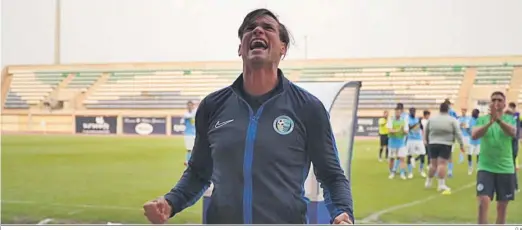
point(403, 176)
point(470, 171)
point(442, 188)
point(427, 184)
point(445, 190)
point(410, 176)
point(423, 174)
point(391, 176)
point(380, 160)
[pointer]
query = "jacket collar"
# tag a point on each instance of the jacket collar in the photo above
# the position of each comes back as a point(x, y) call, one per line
point(283, 82)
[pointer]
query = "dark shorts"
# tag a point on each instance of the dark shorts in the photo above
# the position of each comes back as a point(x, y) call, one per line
point(500, 185)
point(384, 139)
point(439, 151)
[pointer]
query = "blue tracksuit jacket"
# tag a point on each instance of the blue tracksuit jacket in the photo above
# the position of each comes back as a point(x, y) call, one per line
point(258, 159)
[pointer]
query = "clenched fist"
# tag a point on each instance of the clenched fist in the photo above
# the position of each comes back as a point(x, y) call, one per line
point(157, 211)
point(343, 218)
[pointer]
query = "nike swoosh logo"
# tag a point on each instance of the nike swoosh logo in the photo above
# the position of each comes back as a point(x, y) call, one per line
point(218, 124)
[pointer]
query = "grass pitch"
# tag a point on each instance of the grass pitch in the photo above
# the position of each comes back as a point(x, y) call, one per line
point(95, 179)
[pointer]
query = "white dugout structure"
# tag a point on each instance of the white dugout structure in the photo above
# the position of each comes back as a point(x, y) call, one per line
point(341, 99)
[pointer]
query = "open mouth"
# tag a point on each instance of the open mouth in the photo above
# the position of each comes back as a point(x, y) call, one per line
point(258, 44)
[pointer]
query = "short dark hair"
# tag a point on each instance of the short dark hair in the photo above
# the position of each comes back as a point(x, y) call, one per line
point(475, 113)
point(400, 106)
point(444, 107)
point(498, 93)
point(512, 105)
point(426, 112)
point(284, 34)
point(447, 101)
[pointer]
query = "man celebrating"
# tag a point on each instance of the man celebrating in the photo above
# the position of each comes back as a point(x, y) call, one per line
point(256, 140)
point(383, 134)
point(496, 172)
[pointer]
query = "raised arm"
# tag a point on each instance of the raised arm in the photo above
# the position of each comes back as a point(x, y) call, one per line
point(508, 126)
point(196, 178)
point(322, 150)
point(481, 127)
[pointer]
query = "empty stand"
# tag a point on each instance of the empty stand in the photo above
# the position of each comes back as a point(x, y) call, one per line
point(83, 80)
point(229, 74)
point(384, 87)
point(489, 79)
point(160, 90)
point(169, 86)
point(494, 76)
point(14, 101)
point(28, 89)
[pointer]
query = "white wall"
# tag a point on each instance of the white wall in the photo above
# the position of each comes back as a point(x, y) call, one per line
point(180, 30)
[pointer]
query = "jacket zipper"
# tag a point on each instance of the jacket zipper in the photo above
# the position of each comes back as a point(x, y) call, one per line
point(248, 158)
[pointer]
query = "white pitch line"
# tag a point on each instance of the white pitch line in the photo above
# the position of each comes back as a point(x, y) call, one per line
point(375, 216)
point(74, 212)
point(91, 206)
point(73, 205)
point(45, 221)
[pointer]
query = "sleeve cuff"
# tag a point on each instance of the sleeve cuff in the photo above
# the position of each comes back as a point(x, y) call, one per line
point(335, 214)
point(339, 212)
point(172, 207)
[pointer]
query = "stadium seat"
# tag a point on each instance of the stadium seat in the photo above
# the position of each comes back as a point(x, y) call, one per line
point(84, 80)
point(169, 90)
point(382, 86)
point(404, 84)
point(494, 75)
point(30, 88)
point(491, 78)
